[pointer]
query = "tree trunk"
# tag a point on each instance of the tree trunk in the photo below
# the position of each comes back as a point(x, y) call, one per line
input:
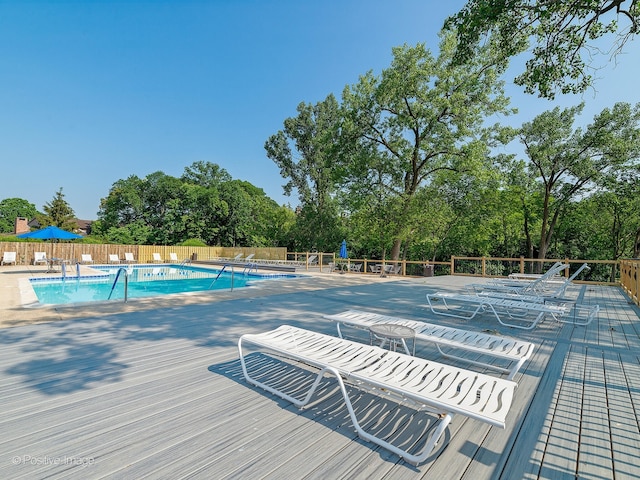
point(395, 250)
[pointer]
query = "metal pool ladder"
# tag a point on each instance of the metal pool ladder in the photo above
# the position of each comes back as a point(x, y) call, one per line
point(126, 283)
point(220, 273)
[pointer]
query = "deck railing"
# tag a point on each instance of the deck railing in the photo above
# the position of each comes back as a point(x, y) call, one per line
point(602, 272)
point(629, 270)
point(609, 272)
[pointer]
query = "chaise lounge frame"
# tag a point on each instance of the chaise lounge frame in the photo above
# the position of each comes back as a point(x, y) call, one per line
point(516, 309)
point(550, 289)
point(436, 388)
point(516, 352)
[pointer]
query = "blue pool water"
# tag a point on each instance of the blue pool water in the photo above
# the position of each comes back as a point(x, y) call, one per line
point(143, 281)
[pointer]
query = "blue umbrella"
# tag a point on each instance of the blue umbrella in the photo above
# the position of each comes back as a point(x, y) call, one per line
point(343, 249)
point(50, 233)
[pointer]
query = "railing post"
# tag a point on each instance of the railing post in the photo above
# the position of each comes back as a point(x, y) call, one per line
point(484, 266)
point(521, 264)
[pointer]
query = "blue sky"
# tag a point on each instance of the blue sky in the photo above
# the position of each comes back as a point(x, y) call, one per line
point(95, 91)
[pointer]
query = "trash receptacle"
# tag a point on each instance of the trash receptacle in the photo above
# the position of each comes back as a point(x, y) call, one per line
point(194, 256)
point(428, 271)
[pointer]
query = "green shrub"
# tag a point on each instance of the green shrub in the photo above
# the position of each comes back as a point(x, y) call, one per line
point(193, 242)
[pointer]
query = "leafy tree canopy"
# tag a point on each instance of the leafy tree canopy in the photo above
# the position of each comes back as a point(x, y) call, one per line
point(12, 208)
point(205, 203)
point(422, 117)
point(565, 37)
point(58, 213)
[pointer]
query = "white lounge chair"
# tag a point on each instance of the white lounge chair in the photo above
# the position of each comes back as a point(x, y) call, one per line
point(516, 352)
point(173, 257)
point(533, 287)
point(436, 388)
point(522, 314)
point(128, 257)
point(249, 257)
point(552, 271)
point(113, 258)
point(86, 258)
point(157, 258)
point(8, 257)
point(540, 292)
point(40, 257)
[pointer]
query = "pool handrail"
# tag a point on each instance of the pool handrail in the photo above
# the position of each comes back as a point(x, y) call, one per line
point(220, 273)
point(126, 283)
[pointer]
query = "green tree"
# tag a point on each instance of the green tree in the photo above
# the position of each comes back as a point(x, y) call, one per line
point(12, 208)
point(314, 136)
point(422, 116)
point(205, 203)
point(207, 209)
point(58, 213)
point(163, 197)
point(563, 35)
point(123, 205)
point(568, 163)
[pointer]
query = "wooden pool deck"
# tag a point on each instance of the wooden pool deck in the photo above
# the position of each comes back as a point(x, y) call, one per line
point(158, 393)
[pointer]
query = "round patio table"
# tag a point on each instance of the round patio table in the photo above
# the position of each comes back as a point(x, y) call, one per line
point(395, 335)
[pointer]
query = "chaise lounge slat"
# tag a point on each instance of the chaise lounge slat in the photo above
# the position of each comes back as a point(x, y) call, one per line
point(514, 351)
point(435, 387)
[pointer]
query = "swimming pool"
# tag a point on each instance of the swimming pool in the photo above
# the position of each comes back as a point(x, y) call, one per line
point(143, 281)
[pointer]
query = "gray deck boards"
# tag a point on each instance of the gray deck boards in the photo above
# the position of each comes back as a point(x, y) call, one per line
point(160, 394)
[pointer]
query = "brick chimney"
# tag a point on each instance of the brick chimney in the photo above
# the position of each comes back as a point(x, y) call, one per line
point(22, 226)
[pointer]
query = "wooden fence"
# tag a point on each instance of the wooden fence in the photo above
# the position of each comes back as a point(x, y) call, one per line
point(72, 252)
point(608, 272)
point(629, 270)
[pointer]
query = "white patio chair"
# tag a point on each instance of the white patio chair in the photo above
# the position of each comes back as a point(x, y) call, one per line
point(40, 257)
point(113, 258)
point(8, 257)
point(128, 257)
point(173, 257)
point(157, 258)
point(86, 258)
